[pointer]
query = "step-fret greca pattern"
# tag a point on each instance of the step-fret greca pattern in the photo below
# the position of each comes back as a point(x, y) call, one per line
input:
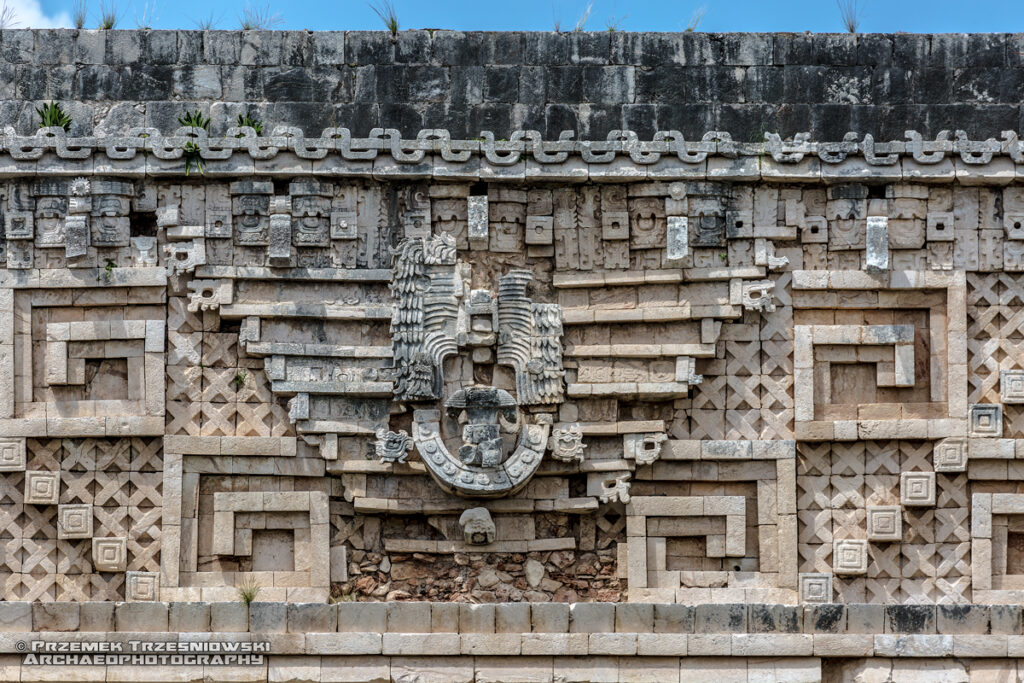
point(768, 397)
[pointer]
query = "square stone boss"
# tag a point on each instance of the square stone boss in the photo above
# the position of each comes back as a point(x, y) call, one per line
point(110, 554)
point(850, 557)
point(12, 455)
point(815, 588)
point(950, 455)
point(42, 487)
point(1011, 386)
point(985, 419)
point(142, 586)
point(917, 488)
point(885, 523)
point(74, 521)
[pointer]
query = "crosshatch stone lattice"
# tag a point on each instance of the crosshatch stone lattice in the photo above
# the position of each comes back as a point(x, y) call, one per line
point(767, 396)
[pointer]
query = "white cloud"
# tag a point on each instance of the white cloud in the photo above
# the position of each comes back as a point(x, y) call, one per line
point(29, 14)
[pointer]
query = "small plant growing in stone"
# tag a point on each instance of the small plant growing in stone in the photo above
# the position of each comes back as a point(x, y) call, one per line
point(240, 378)
point(108, 17)
point(8, 17)
point(695, 18)
point(248, 591)
point(108, 270)
point(385, 9)
point(581, 23)
point(52, 115)
point(195, 119)
point(208, 24)
point(193, 159)
point(259, 18)
point(850, 11)
point(245, 120)
point(79, 13)
point(614, 24)
point(145, 21)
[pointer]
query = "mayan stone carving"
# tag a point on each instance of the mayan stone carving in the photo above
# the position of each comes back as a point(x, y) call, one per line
point(784, 391)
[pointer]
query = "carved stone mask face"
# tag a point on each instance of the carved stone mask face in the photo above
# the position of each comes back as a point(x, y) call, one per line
point(51, 207)
point(252, 206)
point(308, 210)
point(109, 206)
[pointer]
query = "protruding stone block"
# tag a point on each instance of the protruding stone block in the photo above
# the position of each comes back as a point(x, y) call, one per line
point(1011, 386)
point(950, 455)
point(12, 454)
point(74, 521)
point(110, 554)
point(917, 489)
point(42, 487)
point(850, 557)
point(885, 523)
point(815, 588)
point(142, 586)
point(877, 256)
point(985, 420)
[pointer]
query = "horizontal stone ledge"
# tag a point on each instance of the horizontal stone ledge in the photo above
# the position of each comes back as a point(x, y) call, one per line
point(621, 155)
point(91, 620)
point(528, 644)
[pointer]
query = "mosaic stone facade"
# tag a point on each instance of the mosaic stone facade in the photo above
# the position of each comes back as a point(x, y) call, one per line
point(713, 367)
point(409, 369)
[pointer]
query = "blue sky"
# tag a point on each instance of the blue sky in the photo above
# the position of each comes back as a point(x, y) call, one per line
point(914, 16)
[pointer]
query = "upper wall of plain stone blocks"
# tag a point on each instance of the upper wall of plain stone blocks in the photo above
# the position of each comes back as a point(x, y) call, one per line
point(587, 82)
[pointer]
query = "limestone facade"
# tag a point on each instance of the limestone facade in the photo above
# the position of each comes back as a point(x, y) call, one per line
point(681, 371)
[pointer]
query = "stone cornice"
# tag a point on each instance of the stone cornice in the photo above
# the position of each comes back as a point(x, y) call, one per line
point(433, 153)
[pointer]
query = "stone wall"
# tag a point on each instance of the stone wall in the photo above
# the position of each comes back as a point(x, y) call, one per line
point(590, 83)
point(762, 391)
point(448, 642)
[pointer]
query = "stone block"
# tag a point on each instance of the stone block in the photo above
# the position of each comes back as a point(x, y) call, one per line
point(229, 617)
point(825, 618)
point(476, 618)
point(96, 616)
point(726, 618)
point(364, 616)
point(144, 586)
point(147, 617)
point(862, 618)
point(985, 420)
point(634, 618)
point(594, 617)
point(673, 618)
point(910, 618)
point(950, 455)
point(512, 618)
point(850, 557)
point(110, 554)
point(74, 521)
point(55, 616)
point(963, 619)
point(885, 523)
point(42, 487)
point(550, 617)
point(773, 618)
point(917, 489)
point(270, 617)
point(815, 587)
point(12, 454)
point(188, 616)
point(312, 618)
point(408, 617)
